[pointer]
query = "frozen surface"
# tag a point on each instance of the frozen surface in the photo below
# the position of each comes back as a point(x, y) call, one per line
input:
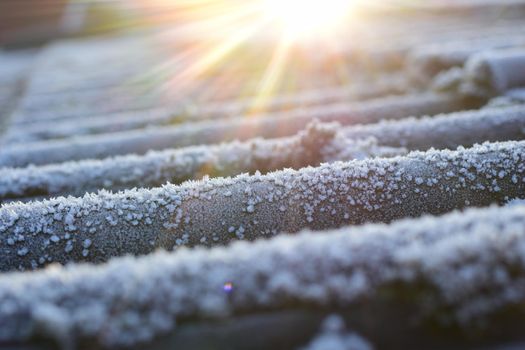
point(469, 264)
point(427, 60)
point(318, 143)
point(78, 117)
point(273, 125)
point(219, 210)
point(447, 130)
point(171, 259)
point(495, 72)
point(14, 69)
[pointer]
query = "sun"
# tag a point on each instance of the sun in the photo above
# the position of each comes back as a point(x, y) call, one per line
point(300, 18)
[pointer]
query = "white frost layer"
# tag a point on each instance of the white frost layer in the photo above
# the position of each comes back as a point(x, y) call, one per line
point(92, 123)
point(274, 125)
point(474, 261)
point(14, 69)
point(158, 167)
point(86, 106)
point(219, 210)
point(427, 60)
point(447, 130)
point(317, 144)
point(92, 63)
point(495, 72)
point(517, 94)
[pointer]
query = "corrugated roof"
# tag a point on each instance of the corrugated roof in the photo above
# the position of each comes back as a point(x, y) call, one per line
point(327, 169)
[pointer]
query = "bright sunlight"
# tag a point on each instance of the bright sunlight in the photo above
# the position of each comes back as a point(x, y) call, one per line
point(300, 18)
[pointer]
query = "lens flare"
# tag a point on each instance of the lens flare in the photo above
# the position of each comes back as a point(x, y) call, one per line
point(227, 287)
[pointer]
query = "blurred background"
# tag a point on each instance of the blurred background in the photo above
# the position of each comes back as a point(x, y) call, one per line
point(93, 59)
